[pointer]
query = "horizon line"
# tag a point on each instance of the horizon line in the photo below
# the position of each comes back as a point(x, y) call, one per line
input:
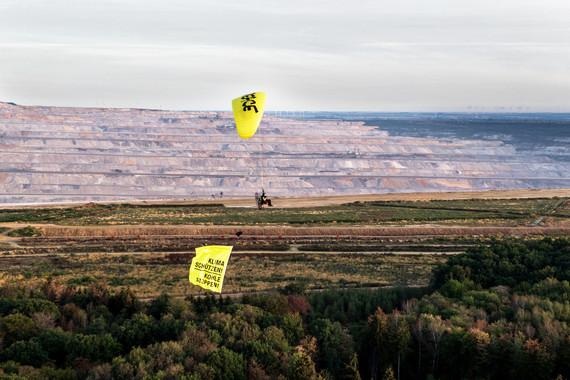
point(473, 110)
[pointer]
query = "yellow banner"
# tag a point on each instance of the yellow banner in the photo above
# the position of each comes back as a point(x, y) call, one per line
point(208, 268)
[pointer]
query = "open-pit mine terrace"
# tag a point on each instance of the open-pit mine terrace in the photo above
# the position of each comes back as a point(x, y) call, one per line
point(53, 154)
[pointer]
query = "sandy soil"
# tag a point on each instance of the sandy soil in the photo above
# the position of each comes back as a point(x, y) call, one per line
point(336, 200)
point(280, 202)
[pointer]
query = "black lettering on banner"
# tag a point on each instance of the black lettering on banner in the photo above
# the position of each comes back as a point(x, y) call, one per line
point(209, 283)
point(208, 268)
point(211, 272)
point(248, 102)
point(212, 277)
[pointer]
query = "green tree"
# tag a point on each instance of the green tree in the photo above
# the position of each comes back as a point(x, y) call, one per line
point(137, 331)
point(57, 343)
point(97, 348)
point(160, 306)
point(292, 326)
point(26, 352)
point(15, 327)
point(398, 337)
point(335, 347)
point(434, 328)
point(378, 337)
point(227, 365)
point(458, 355)
point(302, 364)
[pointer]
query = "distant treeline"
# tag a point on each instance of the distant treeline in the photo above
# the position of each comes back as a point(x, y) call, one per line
point(500, 311)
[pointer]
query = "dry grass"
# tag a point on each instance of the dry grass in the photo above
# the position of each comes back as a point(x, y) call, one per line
point(287, 231)
point(150, 274)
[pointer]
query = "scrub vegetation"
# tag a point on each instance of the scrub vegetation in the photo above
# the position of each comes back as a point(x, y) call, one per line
point(148, 275)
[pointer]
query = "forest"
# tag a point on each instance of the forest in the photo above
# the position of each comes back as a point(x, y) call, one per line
point(499, 311)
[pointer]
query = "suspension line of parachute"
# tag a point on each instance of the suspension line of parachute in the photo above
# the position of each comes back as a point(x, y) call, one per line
point(261, 163)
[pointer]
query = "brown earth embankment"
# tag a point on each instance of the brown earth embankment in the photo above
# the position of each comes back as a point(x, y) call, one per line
point(285, 231)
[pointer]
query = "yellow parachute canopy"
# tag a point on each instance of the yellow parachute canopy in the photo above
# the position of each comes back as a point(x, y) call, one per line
point(248, 111)
point(208, 267)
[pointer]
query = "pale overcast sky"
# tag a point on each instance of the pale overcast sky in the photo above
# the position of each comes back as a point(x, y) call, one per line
point(377, 55)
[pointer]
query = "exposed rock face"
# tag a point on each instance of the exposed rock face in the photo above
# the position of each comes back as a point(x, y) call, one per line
point(51, 154)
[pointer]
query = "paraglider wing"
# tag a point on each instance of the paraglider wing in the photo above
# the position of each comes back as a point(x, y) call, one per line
point(248, 111)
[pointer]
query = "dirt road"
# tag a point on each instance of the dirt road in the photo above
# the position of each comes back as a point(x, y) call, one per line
point(281, 202)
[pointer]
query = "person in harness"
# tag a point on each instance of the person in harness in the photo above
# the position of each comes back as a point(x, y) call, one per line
point(261, 199)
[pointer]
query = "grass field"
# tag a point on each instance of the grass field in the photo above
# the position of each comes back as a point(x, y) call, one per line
point(564, 210)
point(476, 211)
